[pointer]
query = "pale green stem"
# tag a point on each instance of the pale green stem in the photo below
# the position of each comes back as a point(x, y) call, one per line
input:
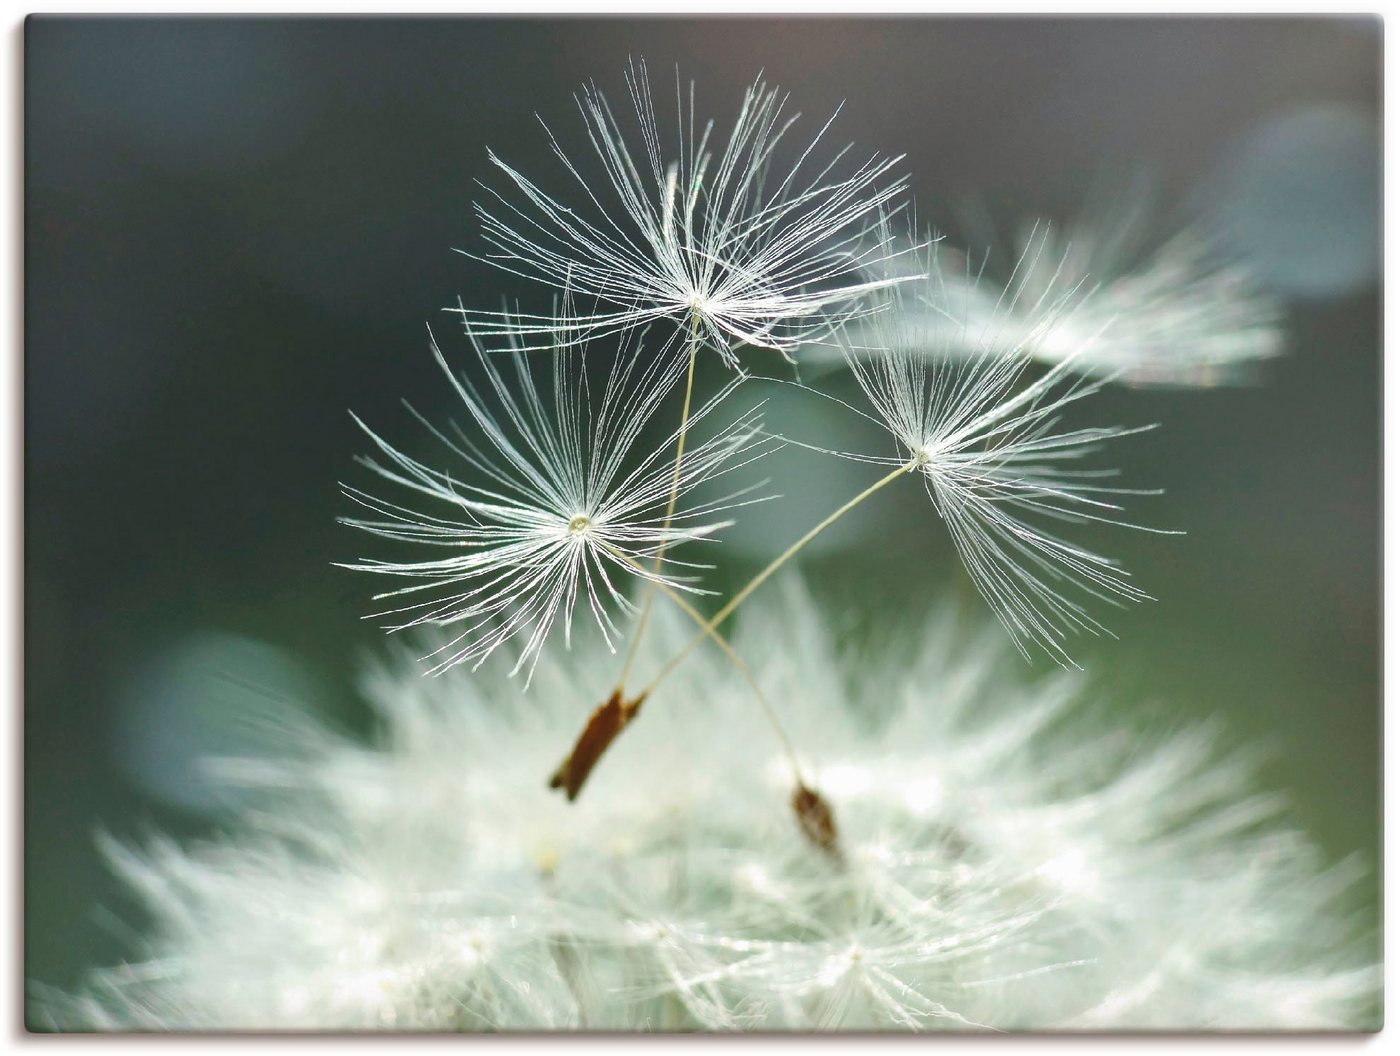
point(670, 506)
point(724, 613)
point(744, 670)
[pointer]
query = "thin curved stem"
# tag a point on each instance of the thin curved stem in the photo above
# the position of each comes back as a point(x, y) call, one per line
point(738, 661)
point(670, 505)
point(738, 599)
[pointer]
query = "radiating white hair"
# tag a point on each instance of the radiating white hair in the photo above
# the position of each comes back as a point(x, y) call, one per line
point(672, 231)
point(549, 493)
point(1010, 858)
point(1179, 311)
point(979, 420)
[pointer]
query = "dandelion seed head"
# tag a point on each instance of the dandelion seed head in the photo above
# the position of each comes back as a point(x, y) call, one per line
point(1011, 863)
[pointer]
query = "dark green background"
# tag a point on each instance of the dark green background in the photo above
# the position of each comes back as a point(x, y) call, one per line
point(235, 230)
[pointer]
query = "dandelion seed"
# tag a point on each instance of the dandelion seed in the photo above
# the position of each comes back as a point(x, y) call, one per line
point(554, 502)
point(689, 235)
point(1183, 314)
point(996, 461)
point(991, 456)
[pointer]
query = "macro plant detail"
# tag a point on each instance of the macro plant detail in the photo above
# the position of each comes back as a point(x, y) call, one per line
point(689, 250)
point(718, 243)
point(1009, 862)
point(1184, 312)
point(988, 445)
point(568, 506)
point(808, 834)
point(718, 246)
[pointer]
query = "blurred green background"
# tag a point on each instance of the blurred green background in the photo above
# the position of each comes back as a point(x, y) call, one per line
point(236, 229)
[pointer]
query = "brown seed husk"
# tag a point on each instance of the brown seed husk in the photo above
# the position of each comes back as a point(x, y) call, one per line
point(607, 721)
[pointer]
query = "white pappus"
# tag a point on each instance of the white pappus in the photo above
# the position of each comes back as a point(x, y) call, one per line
point(963, 849)
point(984, 433)
point(1183, 312)
point(1011, 860)
point(674, 231)
point(548, 494)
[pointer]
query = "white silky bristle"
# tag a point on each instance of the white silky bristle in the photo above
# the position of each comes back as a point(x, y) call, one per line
point(1006, 864)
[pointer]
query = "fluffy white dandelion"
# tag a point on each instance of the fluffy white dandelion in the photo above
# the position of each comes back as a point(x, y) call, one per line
point(987, 440)
point(1185, 313)
point(720, 239)
point(547, 494)
point(1011, 858)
